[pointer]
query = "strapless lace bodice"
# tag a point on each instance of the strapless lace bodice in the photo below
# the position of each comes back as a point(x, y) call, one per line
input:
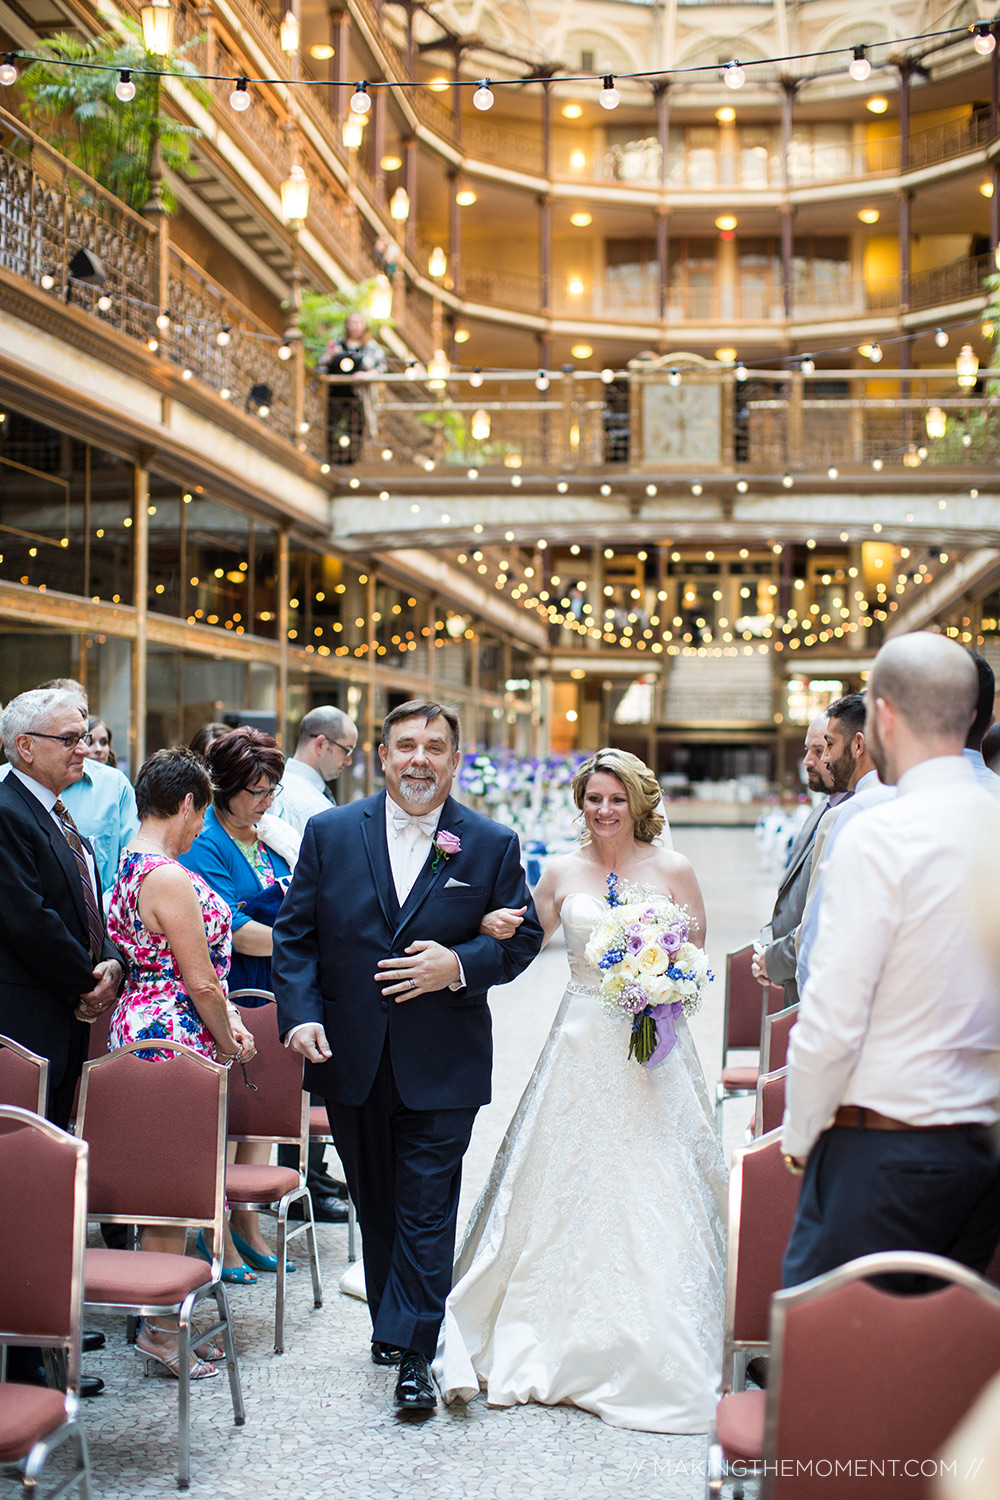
point(580, 911)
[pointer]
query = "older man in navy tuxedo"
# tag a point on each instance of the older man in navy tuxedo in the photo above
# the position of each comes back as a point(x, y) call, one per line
point(381, 973)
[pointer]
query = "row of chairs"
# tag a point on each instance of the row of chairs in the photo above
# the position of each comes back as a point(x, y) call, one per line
point(149, 1149)
point(858, 1375)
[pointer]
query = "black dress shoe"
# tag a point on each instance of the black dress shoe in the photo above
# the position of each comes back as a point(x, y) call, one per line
point(92, 1339)
point(327, 1187)
point(385, 1354)
point(414, 1388)
point(325, 1211)
point(757, 1370)
point(90, 1385)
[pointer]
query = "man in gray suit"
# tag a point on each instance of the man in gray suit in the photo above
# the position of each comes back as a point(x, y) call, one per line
point(776, 965)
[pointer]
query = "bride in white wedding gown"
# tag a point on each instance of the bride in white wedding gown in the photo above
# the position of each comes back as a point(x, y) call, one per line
point(592, 1271)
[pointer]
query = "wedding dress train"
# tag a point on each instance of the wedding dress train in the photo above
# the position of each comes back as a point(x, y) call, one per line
point(592, 1271)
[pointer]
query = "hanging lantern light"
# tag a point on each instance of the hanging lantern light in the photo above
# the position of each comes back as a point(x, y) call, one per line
point(295, 196)
point(352, 131)
point(481, 426)
point(290, 32)
point(399, 206)
point(967, 367)
point(438, 263)
point(158, 27)
point(380, 305)
point(936, 422)
point(438, 371)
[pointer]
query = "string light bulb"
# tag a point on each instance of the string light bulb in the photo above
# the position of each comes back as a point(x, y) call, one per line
point(875, 354)
point(740, 373)
point(860, 68)
point(541, 381)
point(807, 364)
point(240, 99)
point(163, 321)
point(8, 72)
point(940, 338)
point(483, 97)
point(360, 100)
point(609, 97)
point(733, 75)
point(607, 376)
point(285, 350)
point(476, 378)
point(674, 377)
point(125, 88)
point(983, 39)
point(222, 337)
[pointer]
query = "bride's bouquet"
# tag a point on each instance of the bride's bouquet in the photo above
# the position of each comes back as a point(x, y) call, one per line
point(651, 972)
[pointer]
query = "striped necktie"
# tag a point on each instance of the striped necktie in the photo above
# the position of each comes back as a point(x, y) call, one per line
point(95, 922)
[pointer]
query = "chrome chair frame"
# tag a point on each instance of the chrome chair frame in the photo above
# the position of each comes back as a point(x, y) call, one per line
point(213, 1288)
point(770, 1020)
point(71, 1430)
point(758, 1116)
point(42, 1064)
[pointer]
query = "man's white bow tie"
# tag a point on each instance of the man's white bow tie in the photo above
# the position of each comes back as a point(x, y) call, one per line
point(401, 821)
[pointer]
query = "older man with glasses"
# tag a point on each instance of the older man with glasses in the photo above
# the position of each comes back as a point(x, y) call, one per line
point(327, 742)
point(58, 970)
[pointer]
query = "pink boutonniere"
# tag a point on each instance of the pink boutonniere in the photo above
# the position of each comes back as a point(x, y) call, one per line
point(445, 845)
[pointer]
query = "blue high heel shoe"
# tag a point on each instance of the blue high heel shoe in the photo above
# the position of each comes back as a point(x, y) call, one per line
point(241, 1275)
point(254, 1257)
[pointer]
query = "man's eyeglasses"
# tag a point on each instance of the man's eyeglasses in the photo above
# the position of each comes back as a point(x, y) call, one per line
point(68, 741)
point(264, 793)
point(346, 750)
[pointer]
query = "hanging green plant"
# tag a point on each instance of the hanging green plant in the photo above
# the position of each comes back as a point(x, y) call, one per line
point(76, 110)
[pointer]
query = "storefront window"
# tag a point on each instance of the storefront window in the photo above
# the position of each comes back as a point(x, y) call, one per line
point(218, 560)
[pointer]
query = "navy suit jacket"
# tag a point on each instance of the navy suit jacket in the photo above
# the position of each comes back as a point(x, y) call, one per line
point(45, 963)
point(341, 916)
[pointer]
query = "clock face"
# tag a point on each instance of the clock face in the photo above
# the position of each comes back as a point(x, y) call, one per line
point(682, 425)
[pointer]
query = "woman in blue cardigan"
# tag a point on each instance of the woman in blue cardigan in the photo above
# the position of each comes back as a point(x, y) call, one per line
point(245, 766)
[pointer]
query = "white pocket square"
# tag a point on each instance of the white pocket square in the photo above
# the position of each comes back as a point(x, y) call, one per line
point(452, 883)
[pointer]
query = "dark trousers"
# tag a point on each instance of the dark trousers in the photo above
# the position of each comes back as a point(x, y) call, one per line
point(870, 1190)
point(404, 1173)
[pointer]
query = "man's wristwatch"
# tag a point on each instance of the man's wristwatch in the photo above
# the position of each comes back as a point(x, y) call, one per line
point(793, 1164)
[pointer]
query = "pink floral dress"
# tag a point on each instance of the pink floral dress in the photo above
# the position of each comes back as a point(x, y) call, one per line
point(154, 1003)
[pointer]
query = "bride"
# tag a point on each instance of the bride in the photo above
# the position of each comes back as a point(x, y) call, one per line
point(592, 1269)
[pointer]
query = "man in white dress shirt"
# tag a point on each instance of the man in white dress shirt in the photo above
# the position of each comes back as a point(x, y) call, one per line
point(893, 1064)
point(327, 742)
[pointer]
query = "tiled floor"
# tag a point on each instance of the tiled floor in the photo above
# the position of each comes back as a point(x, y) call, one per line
point(318, 1417)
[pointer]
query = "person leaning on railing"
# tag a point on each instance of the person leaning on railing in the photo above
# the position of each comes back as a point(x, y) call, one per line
point(349, 407)
point(176, 932)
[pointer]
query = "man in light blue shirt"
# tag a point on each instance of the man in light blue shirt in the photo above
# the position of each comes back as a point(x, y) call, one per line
point(973, 751)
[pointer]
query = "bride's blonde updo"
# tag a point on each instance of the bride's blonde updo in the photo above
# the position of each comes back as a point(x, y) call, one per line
point(638, 783)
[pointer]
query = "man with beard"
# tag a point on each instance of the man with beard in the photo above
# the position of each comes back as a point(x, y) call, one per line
point(381, 974)
point(847, 753)
point(892, 1064)
point(776, 964)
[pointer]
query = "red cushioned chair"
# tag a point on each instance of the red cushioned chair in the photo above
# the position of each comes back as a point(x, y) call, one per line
point(763, 1196)
point(861, 1374)
point(319, 1130)
point(747, 1003)
point(770, 1108)
point(275, 1109)
point(24, 1077)
point(43, 1231)
point(777, 1029)
point(157, 1137)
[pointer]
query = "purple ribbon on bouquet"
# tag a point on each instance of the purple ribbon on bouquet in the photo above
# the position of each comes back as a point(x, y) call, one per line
point(666, 1036)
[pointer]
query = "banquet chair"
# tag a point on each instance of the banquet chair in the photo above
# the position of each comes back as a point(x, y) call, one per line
point(319, 1131)
point(747, 1005)
point(24, 1077)
point(43, 1231)
point(770, 1107)
point(861, 1376)
point(157, 1137)
point(777, 1029)
point(273, 1107)
point(763, 1196)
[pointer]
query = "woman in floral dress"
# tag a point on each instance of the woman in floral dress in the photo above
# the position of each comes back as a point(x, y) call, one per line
point(175, 932)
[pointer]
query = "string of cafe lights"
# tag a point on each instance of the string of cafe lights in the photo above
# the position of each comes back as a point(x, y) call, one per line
point(734, 73)
point(816, 626)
